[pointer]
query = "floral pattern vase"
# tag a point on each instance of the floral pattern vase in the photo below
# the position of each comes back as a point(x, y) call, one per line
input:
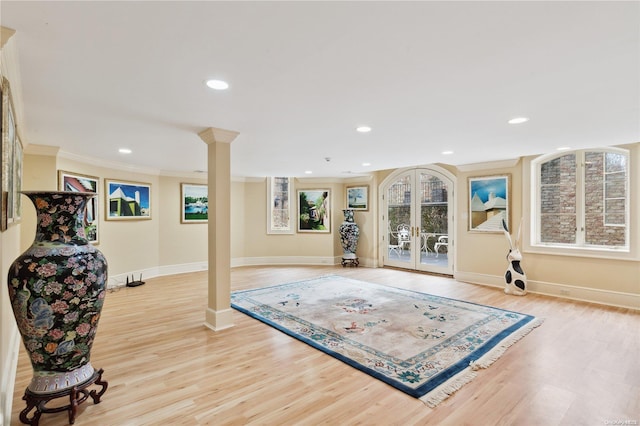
point(349, 233)
point(57, 289)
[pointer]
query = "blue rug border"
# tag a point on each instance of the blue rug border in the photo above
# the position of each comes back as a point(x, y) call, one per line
point(414, 392)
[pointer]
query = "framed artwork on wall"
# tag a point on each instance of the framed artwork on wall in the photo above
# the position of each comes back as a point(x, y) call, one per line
point(127, 200)
point(194, 203)
point(280, 202)
point(314, 211)
point(74, 182)
point(489, 198)
point(17, 179)
point(358, 197)
point(8, 176)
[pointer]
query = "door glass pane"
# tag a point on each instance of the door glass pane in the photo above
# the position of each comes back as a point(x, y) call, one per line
point(399, 215)
point(434, 226)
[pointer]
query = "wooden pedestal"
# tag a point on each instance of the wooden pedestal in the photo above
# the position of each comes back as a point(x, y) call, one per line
point(77, 395)
point(351, 262)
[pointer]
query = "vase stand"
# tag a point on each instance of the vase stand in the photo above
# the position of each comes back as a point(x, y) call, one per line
point(77, 395)
point(350, 261)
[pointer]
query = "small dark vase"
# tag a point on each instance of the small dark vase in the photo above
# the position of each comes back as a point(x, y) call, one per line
point(349, 233)
point(57, 289)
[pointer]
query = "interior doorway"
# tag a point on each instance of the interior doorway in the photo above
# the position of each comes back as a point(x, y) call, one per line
point(417, 220)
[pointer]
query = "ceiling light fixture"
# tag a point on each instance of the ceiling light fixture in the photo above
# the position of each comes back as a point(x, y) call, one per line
point(363, 129)
point(447, 152)
point(366, 164)
point(217, 84)
point(308, 172)
point(518, 120)
point(124, 151)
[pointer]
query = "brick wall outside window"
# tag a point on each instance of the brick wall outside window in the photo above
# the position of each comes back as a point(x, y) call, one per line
point(604, 199)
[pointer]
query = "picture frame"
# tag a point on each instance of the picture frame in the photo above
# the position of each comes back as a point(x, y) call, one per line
point(280, 202)
point(194, 203)
point(489, 203)
point(7, 154)
point(314, 210)
point(75, 182)
point(126, 200)
point(357, 197)
point(18, 152)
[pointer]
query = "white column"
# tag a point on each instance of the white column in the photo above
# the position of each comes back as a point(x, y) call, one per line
point(219, 314)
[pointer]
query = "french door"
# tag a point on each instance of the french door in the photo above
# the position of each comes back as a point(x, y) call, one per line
point(418, 221)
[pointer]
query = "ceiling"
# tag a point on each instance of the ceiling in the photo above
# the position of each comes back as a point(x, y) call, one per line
point(427, 77)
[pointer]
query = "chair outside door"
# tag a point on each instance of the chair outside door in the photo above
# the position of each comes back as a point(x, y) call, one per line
point(443, 241)
point(404, 237)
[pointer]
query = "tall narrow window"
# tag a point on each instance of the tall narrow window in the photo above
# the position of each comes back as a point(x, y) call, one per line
point(583, 200)
point(279, 219)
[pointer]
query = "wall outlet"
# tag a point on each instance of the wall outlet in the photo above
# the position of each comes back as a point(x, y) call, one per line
point(564, 292)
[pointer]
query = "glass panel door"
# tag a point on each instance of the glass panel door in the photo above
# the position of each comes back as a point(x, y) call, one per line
point(399, 242)
point(433, 218)
point(417, 221)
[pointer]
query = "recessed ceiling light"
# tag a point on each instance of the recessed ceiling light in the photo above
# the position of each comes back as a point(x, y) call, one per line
point(518, 120)
point(564, 148)
point(447, 152)
point(124, 151)
point(366, 164)
point(363, 129)
point(308, 172)
point(217, 84)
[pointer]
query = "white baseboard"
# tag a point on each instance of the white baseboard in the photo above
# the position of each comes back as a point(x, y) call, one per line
point(294, 260)
point(9, 377)
point(120, 280)
point(605, 297)
point(564, 291)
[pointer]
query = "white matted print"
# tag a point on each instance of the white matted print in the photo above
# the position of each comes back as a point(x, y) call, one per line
point(74, 182)
point(194, 205)
point(127, 200)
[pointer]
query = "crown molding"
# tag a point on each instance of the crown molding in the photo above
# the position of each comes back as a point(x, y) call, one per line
point(10, 69)
point(182, 174)
point(488, 165)
point(109, 164)
point(46, 150)
point(214, 134)
point(5, 35)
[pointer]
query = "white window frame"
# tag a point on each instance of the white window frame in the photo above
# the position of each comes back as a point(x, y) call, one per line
point(270, 206)
point(531, 203)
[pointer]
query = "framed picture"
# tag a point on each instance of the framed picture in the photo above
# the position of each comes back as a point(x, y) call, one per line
point(489, 203)
point(74, 182)
point(279, 205)
point(127, 200)
point(7, 151)
point(194, 203)
point(17, 179)
point(358, 197)
point(314, 211)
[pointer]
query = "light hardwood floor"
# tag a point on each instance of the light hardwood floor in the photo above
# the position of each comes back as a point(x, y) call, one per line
point(164, 367)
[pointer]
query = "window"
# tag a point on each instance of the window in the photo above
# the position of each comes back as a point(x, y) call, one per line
point(279, 209)
point(582, 200)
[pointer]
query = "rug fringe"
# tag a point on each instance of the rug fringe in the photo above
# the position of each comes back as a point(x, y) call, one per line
point(445, 390)
point(448, 388)
point(492, 356)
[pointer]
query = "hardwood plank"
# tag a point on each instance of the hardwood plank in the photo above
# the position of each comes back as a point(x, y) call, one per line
point(165, 367)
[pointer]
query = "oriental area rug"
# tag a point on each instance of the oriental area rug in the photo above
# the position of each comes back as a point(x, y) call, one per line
point(427, 346)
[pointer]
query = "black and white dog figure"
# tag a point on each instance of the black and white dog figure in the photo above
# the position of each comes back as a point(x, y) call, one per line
point(515, 278)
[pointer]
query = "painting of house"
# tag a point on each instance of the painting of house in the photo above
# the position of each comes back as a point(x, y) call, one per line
point(488, 205)
point(128, 201)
